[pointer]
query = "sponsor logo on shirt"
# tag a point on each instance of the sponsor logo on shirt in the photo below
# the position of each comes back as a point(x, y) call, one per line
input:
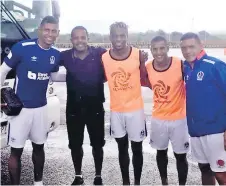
point(121, 80)
point(161, 92)
point(37, 76)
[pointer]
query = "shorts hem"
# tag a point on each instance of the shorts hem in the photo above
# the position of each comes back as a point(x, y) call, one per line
point(38, 143)
point(137, 140)
point(169, 119)
point(218, 169)
point(181, 152)
point(121, 136)
point(200, 161)
point(156, 148)
point(16, 146)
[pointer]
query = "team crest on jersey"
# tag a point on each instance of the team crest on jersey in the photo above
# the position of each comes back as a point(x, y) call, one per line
point(200, 75)
point(52, 60)
point(221, 163)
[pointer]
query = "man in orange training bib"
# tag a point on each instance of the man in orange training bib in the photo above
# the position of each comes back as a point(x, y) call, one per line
point(169, 122)
point(122, 66)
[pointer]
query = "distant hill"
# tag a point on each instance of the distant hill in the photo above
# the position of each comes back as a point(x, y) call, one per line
point(147, 37)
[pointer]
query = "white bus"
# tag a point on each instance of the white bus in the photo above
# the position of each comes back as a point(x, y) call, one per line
point(20, 20)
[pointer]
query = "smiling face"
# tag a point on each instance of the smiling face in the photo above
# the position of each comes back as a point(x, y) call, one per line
point(159, 50)
point(119, 38)
point(48, 32)
point(79, 39)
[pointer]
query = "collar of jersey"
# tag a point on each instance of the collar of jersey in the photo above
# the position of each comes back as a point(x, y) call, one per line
point(89, 48)
point(36, 41)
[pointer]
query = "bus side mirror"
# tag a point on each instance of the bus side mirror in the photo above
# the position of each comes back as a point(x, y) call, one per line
point(56, 9)
point(39, 9)
point(44, 8)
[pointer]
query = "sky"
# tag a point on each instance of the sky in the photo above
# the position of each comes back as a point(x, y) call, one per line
point(143, 15)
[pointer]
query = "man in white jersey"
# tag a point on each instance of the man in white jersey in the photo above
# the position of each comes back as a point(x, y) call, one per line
point(34, 62)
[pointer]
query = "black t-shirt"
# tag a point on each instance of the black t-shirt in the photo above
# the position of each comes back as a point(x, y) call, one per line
point(85, 78)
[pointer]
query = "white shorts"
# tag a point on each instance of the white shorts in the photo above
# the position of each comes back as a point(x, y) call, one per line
point(131, 123)
point(31, 123)
point(210, 149)
point(176, 131)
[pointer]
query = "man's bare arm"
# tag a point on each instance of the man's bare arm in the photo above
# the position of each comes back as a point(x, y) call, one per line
point(144, 76)
point(4, 71)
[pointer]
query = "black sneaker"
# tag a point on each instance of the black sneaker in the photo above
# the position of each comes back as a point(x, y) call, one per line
point(97, 181)
point(78, 180)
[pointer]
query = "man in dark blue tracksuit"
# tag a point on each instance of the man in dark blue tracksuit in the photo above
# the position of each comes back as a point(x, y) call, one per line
point(205, 78)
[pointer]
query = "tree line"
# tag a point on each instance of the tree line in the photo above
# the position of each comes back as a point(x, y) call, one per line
point(147, 37)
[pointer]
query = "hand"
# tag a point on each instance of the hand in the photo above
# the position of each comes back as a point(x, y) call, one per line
point(144, 56)
point(225, 140)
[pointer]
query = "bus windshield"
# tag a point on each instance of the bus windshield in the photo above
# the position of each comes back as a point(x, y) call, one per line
point(28, 14)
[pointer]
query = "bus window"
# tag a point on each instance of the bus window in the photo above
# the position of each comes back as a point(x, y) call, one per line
point(29, 13)
point(9, 30)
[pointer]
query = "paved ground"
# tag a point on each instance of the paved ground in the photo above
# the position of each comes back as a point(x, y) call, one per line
point(59, 168)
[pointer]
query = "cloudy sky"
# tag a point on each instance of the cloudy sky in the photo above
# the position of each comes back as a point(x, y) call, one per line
point(169, 15)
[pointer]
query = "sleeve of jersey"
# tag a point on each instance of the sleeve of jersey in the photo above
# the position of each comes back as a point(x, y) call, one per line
point(14, 56)
point(56, 68)
point(61, 63)
point(58, 61)
point(220, 75)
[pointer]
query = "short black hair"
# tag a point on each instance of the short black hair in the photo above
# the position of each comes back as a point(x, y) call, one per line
point(49, 19)
point(79, 28)
point(158, 38)
point(190, 35)
point(118, 25)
